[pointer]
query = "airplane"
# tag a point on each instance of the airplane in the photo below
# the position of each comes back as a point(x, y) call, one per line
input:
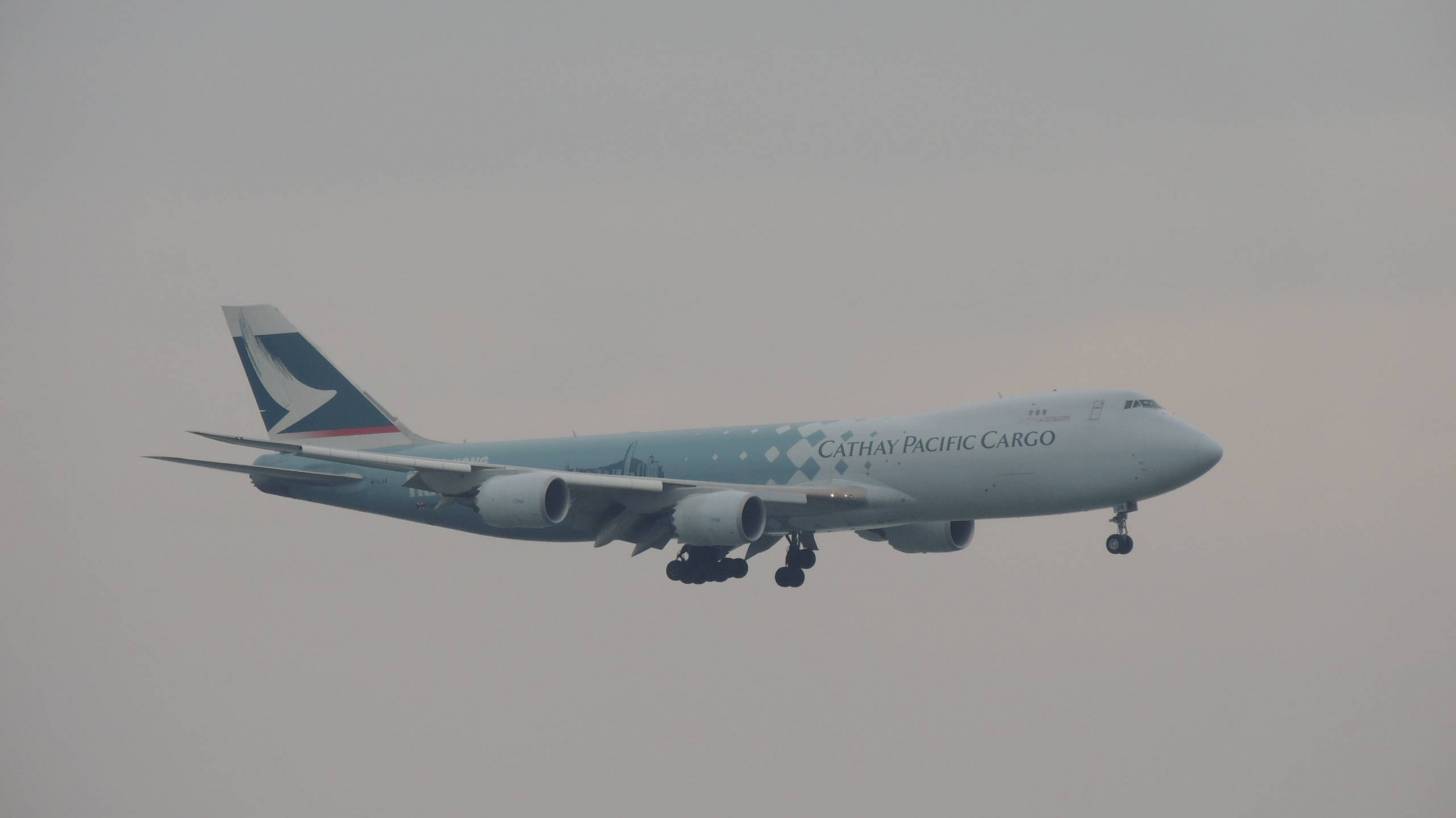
point(917, 482)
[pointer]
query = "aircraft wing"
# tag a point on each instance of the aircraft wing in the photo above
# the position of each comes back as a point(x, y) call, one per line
point(454, 477)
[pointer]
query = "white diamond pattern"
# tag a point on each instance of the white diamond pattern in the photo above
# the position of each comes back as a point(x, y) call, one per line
point(799, 452)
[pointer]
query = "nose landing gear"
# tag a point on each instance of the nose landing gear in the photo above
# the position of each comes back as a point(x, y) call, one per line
point(801, 556)
point(1121, 543)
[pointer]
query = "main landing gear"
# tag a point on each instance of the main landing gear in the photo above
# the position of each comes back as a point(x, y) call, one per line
point(1121, 543)
point(801, 557)
point(696, 565)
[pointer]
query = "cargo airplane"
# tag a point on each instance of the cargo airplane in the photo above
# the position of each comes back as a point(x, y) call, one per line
point(916, 482)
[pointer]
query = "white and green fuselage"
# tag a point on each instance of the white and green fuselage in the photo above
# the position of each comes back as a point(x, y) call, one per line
point(1046, 454)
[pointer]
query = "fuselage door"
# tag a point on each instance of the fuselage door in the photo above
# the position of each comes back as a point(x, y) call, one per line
point(1096, 410)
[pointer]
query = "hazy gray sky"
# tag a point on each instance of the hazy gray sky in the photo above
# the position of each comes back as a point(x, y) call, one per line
point(520, 221)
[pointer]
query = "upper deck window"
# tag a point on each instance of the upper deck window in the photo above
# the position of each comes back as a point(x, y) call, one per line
point(1141, 403)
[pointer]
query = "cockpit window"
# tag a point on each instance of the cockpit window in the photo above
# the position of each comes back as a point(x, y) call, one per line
point(1142, 403)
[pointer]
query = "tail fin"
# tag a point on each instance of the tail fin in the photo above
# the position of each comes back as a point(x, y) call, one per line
point(299, 393)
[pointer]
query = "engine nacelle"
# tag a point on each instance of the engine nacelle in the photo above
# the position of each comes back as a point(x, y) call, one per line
point(529, 500)
point(722, 518)
point(924, 538)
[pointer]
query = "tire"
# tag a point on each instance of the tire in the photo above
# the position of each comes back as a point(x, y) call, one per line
point(674, 570)
point(801, 559)
point(740, 568)
point(1126, 544)
point(1114, 544)
point(784, 577)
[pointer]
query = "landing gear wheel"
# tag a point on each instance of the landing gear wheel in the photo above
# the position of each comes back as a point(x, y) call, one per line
point(801, 559)
point(789, 577)
point(1119, 544)
point(697, 565)
point(802, 551)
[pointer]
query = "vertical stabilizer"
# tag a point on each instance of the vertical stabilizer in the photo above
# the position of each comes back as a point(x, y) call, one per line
point(300, 395)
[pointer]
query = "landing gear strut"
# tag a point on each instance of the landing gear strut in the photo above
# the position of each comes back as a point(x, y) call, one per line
point(1121, 543)
point(801, 556)
point(696, 565)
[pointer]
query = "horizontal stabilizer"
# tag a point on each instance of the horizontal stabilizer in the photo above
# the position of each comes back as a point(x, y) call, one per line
point(296, 475)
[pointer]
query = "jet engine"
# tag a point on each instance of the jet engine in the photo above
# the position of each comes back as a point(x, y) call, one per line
point(722, 518)
point(530, 500)
point(924, 538)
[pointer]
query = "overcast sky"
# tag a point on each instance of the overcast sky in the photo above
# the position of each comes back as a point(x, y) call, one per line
point(523, 221)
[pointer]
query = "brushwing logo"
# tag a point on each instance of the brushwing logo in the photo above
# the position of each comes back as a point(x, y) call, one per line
point(298, 398)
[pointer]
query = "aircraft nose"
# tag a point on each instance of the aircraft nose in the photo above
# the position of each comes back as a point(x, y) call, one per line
point(1203, 451)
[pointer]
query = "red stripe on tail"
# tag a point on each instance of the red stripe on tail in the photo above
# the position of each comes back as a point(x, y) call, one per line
point(363, 430)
